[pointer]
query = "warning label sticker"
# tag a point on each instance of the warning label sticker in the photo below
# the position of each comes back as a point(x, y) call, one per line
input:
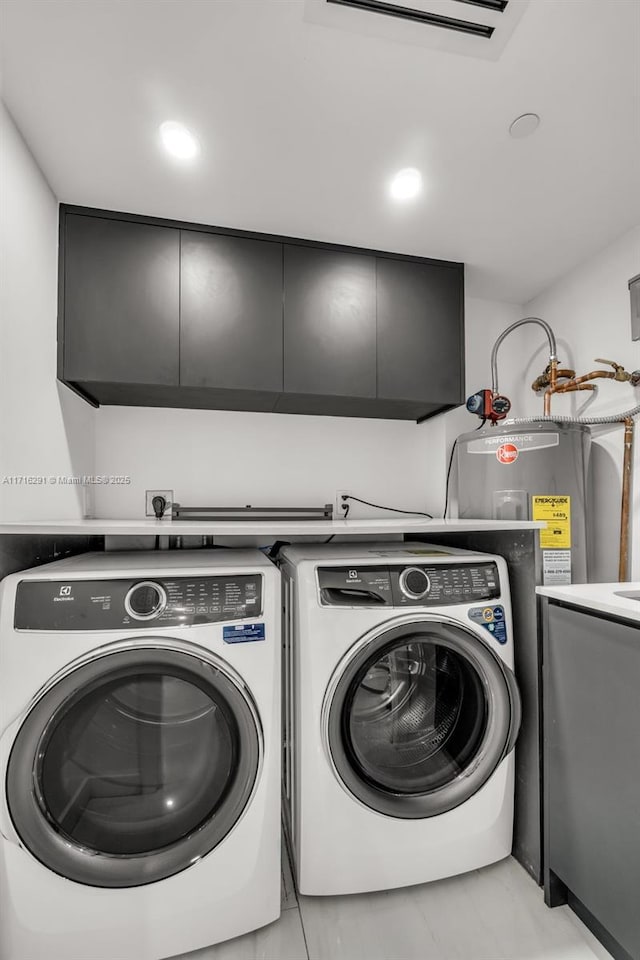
point(556, 567)
point(556, 511)
point(243, 633)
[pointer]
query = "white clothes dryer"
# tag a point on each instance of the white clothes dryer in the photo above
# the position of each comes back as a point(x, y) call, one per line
point(402, 712)
point(139, 754)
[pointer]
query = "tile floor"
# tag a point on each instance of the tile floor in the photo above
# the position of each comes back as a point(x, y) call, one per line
point(492, 914)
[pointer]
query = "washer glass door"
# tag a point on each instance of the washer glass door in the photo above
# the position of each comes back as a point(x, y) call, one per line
point(133, 766)
point(420, 717)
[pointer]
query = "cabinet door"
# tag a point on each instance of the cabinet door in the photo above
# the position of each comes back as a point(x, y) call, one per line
point(420, 331)
point(592, 754)
point(329, 322)
point(231, 312)
point(121, 310)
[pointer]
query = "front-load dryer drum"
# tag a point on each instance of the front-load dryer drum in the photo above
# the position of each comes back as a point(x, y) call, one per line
point(133, 765)
point(418, 716)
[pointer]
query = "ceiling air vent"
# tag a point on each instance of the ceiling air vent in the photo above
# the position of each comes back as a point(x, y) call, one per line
point(475, 28)
point(429, 17)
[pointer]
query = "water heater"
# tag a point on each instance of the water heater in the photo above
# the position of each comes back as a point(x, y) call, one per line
point(531, 471)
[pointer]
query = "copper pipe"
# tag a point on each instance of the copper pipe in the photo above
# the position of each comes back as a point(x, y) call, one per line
point(623, 567)
point(573, 385)
point(541, 382)
point(595, 375)
point(553, 380)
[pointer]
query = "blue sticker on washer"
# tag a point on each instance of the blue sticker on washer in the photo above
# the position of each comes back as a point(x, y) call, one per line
point(492, 619)
point(243, 633)
point(498, 630)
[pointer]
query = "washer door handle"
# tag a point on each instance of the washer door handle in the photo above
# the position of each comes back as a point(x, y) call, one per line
point(516, 709)
point(6, 825)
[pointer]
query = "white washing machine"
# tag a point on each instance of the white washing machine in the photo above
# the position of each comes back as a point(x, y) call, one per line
point(402, 712)
point(139, 754)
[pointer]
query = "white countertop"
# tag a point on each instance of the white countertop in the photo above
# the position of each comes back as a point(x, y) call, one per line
point(266, 528)
point(601, 597)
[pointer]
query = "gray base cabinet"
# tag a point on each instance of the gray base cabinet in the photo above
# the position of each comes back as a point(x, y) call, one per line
point(159, 313)
point(591, 683)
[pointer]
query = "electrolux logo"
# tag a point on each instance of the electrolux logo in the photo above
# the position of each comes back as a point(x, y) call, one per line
point(353, 574)
point(63, 594)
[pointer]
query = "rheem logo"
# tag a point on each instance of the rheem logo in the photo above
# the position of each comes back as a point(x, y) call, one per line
point(507, 453)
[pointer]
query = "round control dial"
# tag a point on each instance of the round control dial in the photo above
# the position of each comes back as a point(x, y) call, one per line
point(414, 583)
point(145, 601)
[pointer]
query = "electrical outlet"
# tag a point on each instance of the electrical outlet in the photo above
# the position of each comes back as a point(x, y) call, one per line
point(148, 505)
point(340, 504)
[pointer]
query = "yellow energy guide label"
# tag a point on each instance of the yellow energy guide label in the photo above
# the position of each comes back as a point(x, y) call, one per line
point(556, 511)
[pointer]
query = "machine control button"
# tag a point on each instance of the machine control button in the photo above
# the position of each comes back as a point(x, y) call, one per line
point(414, 583)
point(145, 600)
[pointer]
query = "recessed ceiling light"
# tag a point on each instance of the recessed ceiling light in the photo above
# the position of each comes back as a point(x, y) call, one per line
point(524, 125)
point(406, 184)
point(178, 141)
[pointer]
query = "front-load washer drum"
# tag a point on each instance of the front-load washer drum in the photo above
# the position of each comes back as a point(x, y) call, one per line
point(134, 765)
point(419, 716)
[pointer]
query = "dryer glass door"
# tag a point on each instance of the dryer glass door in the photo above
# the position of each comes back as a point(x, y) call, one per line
point(420, 717)
point(134, 766)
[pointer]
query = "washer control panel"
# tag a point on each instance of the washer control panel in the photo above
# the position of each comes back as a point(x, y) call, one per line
point(414, 583)
point(444, 584)
point(136, 603)
point(418, 585)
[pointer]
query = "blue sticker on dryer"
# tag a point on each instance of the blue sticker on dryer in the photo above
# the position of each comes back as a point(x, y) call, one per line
point(243, 633)
point(492, 619)
point(498, 630)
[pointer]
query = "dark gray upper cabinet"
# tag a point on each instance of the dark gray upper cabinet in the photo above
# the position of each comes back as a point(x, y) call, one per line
point(121, 284)
point(160, 313)
point(420, 331)
point(230, 312)
point(329, 322)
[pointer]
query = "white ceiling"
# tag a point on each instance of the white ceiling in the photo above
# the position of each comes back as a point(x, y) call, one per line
point(302, 125)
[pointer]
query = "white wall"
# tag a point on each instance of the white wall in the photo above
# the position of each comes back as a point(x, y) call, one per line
point(45, 430)
point(225, 458)
point(230, 458)
point(590, 313)
point(212, 457)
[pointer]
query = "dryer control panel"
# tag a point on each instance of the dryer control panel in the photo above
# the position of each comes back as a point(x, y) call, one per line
point(136, 602)
point(410, 585)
